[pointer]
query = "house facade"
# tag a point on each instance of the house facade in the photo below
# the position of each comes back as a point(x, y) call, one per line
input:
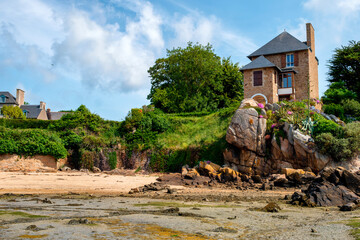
point(283, 69)
point(30, 111)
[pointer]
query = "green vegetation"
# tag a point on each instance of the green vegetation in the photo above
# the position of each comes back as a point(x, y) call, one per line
point(345, 67)
point(355, 224)
point(194, 79)
point(13, 112)
point(20, 214)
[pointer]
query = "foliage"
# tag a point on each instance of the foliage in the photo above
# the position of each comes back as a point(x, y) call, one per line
point(335, 109)
point(82, 117)
point(345, 66)
point(25, 123)
point(194, 79)
point(351, 107)
point(327, 126)
point(337, 92)
point(87, 159)
point(31, 142)
point(334, 147)
point(112, 160)
point(12, 112)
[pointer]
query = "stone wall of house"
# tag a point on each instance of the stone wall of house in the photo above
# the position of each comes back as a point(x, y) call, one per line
point(37, 163)
point(268, 88)
point(307, 66)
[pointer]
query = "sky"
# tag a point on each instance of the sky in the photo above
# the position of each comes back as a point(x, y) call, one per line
point(97, 53)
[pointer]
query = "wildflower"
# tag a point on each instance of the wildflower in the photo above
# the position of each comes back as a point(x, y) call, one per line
point(273, 112)
point(312, 113)
point(273, 125)
point(208, 162)
point(261, 116)
point(260, 105)
point(289, 112)
point(317, 101)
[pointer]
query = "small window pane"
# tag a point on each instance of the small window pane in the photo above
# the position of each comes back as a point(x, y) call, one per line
point(257, 78)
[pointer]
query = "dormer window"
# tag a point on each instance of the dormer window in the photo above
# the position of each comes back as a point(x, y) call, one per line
point(25, 113)
point(2, 99)
point(289, 60)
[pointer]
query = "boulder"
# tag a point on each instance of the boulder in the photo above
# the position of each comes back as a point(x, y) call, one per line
point(271, 207)
point(184, 170)
point(328, 194)
point(243, 129)
point(228, 174)
point(268, 107)
point(289, 171)
point(248, 102)
point(276, 107)
point(192, 174)
point(348, 207)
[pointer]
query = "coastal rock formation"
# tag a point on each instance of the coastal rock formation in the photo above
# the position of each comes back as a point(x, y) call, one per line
point(252, 154)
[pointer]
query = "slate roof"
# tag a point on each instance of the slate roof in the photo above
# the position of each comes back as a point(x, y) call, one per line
point(284, 42)
point(33, 111)
point(56, 115)
point(260, 62)
point(10, 99)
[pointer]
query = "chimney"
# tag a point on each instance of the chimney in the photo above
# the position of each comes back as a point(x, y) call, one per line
point(310, 36)
point(20, 97)
point(48, 113)
point(42, 105)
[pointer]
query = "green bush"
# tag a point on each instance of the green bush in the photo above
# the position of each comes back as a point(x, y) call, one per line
point(337, 149)
point(31, 142)
point(352, 134)
point(327, 126)
point(351, 107)
point(112, 160)
point(87, 159)
point(24, 123)
point(335, 109)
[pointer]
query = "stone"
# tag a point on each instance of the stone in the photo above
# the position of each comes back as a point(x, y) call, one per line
point(228, 174)
point(271, 207)
point(263, 112)
point(256, 178)
point(268, 107)
point(328, 194)
point(351, 181)
point(348, 207)
point(288, 128)
point(276, 107)
point(184, 170)
point(289, 171)
point(192, 174)
point(96, 170)
point(248, 102)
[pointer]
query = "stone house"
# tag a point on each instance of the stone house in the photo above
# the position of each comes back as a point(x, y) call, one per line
point(283, 69)
point(30, 111)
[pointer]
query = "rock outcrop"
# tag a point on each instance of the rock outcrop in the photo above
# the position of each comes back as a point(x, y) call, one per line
point(251, 153)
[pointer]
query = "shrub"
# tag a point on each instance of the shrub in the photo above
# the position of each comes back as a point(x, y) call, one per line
point(352, 133)
point(112, 160)
point(13, 112)
point(87, 159)
point(335, 109)
point(337, 149)
point(31, 142)
point(25, 123)
point(351, 107)
point(327, 126)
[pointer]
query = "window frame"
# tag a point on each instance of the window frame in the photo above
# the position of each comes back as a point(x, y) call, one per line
point(290, 60)
point(2, 99)
point(262, 78)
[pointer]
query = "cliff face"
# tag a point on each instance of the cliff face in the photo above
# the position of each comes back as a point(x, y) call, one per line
point(255, 153)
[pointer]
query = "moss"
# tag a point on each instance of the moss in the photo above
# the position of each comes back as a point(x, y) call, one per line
point(20, 214)
point(33, 236)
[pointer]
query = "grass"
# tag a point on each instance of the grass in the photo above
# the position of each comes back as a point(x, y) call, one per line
point(183, 205)
point(190, 131)
point(20, 214)
point(355, 224)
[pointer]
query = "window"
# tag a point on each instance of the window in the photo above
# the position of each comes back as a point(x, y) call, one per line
point(257, 78)
point(2, 99)
point(289, 60)
point(286, 80)
point(25, 113)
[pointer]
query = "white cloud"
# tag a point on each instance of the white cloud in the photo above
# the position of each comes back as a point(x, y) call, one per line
point(334, 7)
point(104, 56)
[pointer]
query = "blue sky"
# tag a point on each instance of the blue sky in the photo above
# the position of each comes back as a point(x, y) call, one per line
point(97, 53)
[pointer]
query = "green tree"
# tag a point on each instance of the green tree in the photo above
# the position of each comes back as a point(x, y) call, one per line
point(345, 66)
point(194, 79)
point(337, 92)
point(13, 112)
